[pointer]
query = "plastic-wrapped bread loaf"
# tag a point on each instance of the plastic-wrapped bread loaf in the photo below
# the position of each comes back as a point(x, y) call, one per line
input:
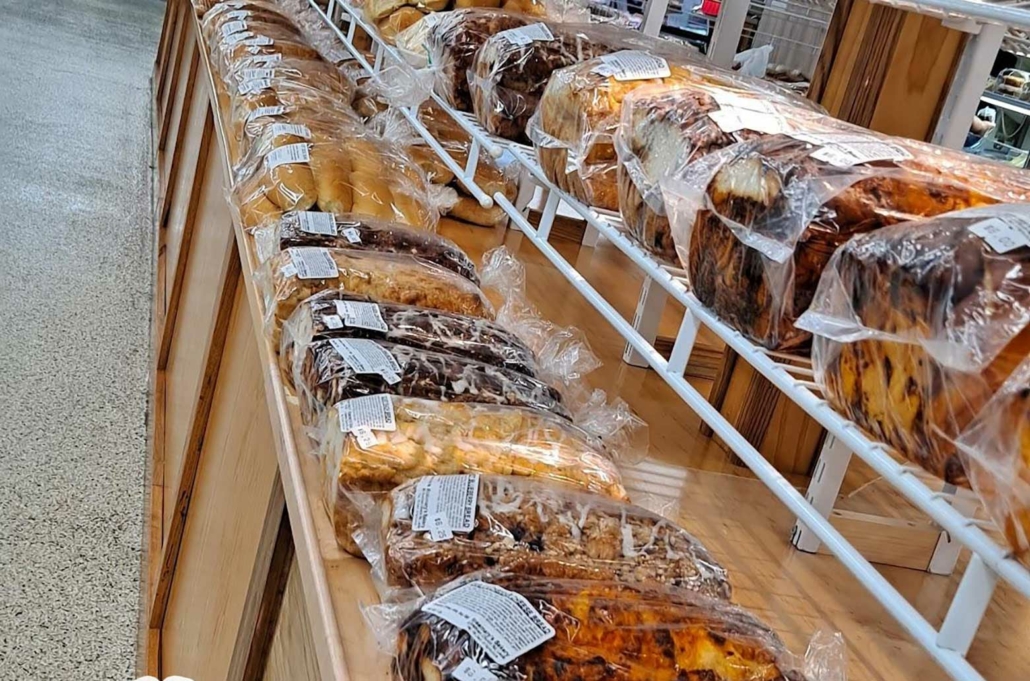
point(339, 169)
point(995, 449)
point(512, 68)
point(331, 314)
point(382, 277)
point(755, 223)
point(916, 326)
point(452, 43)
point(663, 129)
point(531, 527)
point(448, 438)
point(327, 371)
point(361, 233)
point(599, 631)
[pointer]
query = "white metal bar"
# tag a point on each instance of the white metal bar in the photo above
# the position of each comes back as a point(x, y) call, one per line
point(968, 607)
point(823, 490)
point(547, 214)
point(684, 344)
point(726, 34)
point(914, 623)
point(967, 85)
point(654, 16)
point(646, 319)
point(946, 553)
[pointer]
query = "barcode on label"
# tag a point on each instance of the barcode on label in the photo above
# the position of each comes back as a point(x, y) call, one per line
point(233, 27)
point(1004, 233)
point(524, 35)
point(468, 670)
point(361, 315)
point(301, 131)
point(290, 153)
point(266, 111)
point(367, 357)
point(502, 622)
point(313, 263)
point(352, 235)
point(238, 37)
point(844, 151)
point(733, 120)
point(237, 14)
point(455, 496)
point(372, 411)
point(252, 86)
point(260, 40)
point(257, 74)
point(316, 223)
point(633, 65)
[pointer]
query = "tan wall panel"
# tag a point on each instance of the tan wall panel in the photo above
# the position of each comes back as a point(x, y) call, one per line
point(292, 654)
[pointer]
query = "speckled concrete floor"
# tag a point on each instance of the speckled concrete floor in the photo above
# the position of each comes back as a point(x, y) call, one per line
point(74, 314)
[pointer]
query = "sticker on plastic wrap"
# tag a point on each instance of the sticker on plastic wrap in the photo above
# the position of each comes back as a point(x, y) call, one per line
point(313, 263)
point(374, 412)
point(440, 527)
point(266, 59)
point(257, 74)
point(845, 151)
point(502, 622)
point(266, 111)
point(258, 41)
point(231, 40)
point(332, 321)
point(746, 113)
point(361, 315)
point(455, 496)
point(316, 223)
point(468, 670)
point(252, 86)
point(233, 27)
point(237, 14)
point(291, 129)
point(290, 153)
point(1004, 233)
point(633, 65)
point(352, 235)
point(288, 271)
point(524, 35)
point(367, 357)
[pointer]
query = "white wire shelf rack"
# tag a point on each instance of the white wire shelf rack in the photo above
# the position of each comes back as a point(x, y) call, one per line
point(989, 562)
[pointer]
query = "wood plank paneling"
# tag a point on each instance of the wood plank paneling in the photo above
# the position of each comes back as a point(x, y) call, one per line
point(292, 655)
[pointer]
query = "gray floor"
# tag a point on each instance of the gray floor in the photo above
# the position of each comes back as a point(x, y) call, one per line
point(74, 315)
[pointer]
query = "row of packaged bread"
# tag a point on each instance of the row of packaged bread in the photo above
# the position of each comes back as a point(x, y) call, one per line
point(773, 208)
point(428, 403)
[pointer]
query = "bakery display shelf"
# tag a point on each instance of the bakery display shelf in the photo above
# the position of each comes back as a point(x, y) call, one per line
point(950, 509)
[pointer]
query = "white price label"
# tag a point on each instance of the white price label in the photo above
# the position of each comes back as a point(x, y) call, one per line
point(365, 356)
point(439, 527)
point(266, 111)
point(1004, 233)
point(844, 151)
point(231, 40)
point(524, 35)
point(252, 86)
point(316, 223)
point(739, 112)
point(290, 153)
point(372, 411)
point(361, 315)
point(633, 65)
point(502, 622)
point(257, 74)
point(352, 235)
point(301, 131)
point(313, 263)
point(233, 27)
point(365, 437)
point(258, 41)
point(332, 321)
point(237, 14)
point(455, 496)
point(288, 271)
point(468, 670)
point(266, 59)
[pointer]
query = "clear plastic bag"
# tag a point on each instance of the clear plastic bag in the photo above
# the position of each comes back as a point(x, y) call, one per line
point(318, 318)
point(580, 629)
point(531, 527)
point(995, 449)
point(447, 438)
point(755, 223)
point(452, 44)
point(341, 169)
point(916, 326)
point(328, 371)
point(381, 277)
point(511, 70)
point(664, 129)
point(357, 232)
